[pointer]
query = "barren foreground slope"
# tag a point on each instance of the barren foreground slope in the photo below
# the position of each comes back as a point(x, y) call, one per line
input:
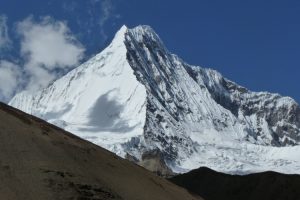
point(41, 161)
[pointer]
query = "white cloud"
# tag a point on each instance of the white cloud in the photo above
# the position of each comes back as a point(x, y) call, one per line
point(38, 77)
point(4, 38)
point(10, 76)
point(48, 47)
point(49, 43)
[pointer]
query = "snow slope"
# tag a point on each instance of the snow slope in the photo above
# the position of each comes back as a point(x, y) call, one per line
point(136, 97)
point(97, 100)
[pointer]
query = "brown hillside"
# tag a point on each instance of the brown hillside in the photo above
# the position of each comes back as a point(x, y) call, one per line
point(40, 161)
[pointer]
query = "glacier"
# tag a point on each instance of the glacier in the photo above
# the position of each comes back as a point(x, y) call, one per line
point(136, 97)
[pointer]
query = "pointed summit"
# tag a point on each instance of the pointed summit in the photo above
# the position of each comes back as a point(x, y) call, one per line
point(121, 32)
point(119, 37)
point(123, 27)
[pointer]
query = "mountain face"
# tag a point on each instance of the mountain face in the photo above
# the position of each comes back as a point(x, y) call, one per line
point(41, 161)
point(136, 99)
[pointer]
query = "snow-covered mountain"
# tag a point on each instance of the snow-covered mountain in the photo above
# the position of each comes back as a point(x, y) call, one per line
point(136, 99)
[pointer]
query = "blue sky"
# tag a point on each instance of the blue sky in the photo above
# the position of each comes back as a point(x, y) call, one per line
point(254, 43)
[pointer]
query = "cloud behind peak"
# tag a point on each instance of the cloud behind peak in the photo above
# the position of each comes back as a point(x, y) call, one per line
point(48, 47)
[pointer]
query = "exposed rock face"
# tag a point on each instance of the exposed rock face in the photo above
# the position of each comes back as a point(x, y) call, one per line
point(136, 97)
point(155, 162)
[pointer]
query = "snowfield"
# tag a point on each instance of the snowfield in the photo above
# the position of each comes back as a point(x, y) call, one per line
point(236, 157)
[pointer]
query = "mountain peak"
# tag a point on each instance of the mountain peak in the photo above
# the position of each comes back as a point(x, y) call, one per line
point(135, 97)
point(119, 36)
point(143, 34)
point(137, 32)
